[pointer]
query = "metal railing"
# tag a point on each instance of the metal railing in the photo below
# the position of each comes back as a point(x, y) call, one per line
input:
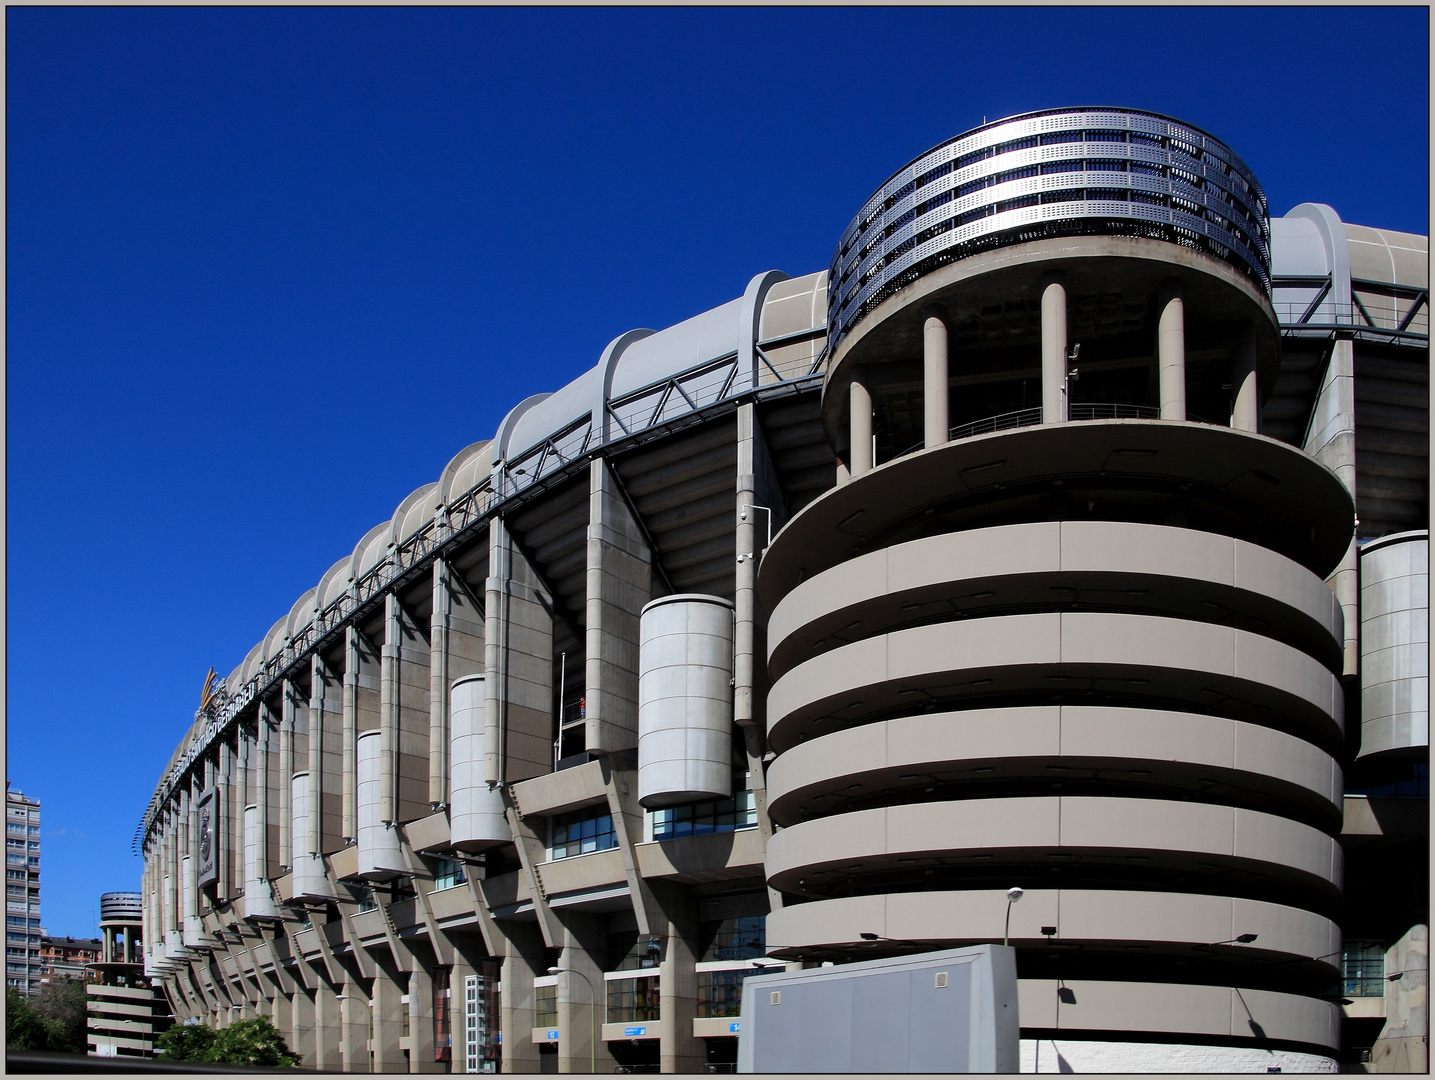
point(1000, 422)
point(685, 394)
point(1410, 319)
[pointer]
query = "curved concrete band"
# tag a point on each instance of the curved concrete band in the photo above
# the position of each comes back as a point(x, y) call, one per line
point(1185, 922)
point(1286, 774)
point(1211, 1012)
point(1213, 839)
point(1195, 666)
point(1157, 569)
point(1302, 506)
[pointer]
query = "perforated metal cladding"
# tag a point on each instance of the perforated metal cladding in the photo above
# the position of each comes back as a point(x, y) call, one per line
point(1062, 172)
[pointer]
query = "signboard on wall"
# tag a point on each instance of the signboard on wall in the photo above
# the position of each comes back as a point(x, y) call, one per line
point(208, 840)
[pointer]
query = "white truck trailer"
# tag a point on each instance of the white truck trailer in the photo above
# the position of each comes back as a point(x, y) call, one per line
point(948, 1011)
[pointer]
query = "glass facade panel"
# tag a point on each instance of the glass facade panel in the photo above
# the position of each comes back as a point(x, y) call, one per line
point(700, 819)
point(720, 992)
point(580, 833)
point(632, 1000)
point(545, 1006)
point(743, 938)
point(1363, 968)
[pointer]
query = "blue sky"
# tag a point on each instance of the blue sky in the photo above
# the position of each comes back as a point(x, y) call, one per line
point(269, 268)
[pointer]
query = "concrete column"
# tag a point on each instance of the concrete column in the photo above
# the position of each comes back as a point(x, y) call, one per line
point(1245, 398)
point(328, 1028)
point(1053, 353)
point(1331, 441)
point(438, 686)
point(584, 949)
point(520, 964)
point(300, 1032)
point(518, 662)
point(262, 782)
point(1171, 352)
point(421, 1046)
point(389, 710)
point(1403, 1045)
point(859, 400)
point(760, 510)
point(455, 651)
point(678, 991)
point(223, 827)
point(619, 583)
point(388, 1009)
point(315, 718)
point(243, 752)
point(286, 773)
point(354, 1024)
point(349, 795)
point(936, 424)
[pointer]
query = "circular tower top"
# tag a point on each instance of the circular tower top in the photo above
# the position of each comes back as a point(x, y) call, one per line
point(1058, 172)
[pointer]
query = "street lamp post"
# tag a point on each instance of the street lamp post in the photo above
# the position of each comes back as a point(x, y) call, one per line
point(592, 1015)
point(1012, 896)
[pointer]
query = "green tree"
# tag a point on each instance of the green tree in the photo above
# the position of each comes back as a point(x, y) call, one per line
point(252, 1042)
point(244, 1042)
point(25, 1029)
point(61, 1004)
point(186, 1042)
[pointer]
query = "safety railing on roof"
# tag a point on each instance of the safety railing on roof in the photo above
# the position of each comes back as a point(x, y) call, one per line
point(700, 387)
point(1386, 317)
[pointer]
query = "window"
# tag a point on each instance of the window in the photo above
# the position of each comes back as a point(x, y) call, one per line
point(699, 819)
point(545, 1006)
point(365, 896)
point(448, 873)
point(580, 833)
point(1363, 970)
point(720, 992)
point(741, 938)
point(632, 1000)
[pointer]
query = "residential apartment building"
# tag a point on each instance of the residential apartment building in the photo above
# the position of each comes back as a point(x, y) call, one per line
point(66, 957)
point(22, 891)
point(1070, 532)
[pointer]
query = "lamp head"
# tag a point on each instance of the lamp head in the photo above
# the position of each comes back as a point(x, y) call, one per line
point(1246, 939)
point(870, 937)
point(555, 971)
point(1015, 893)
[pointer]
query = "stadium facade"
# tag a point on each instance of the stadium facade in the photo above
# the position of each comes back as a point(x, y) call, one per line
point(1069, 532)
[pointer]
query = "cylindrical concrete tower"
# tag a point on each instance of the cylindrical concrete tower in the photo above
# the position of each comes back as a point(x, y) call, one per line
point(308, 880)
point(476, 819)
point(1082, 645)
point(685, 700)
point(258, 900)
point(378, 841)
point(1395, 646)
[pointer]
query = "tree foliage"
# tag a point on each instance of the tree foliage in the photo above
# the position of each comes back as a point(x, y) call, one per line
point(186, 1042)
point(244, 1042)
point(61, 1004)
point(25, 1029)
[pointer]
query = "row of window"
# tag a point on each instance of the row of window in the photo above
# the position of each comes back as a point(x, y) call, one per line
point(586, 831)
point(637, 999)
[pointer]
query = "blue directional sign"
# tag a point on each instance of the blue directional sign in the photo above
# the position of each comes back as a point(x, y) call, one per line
point(736, 1025)
point(633, 1032)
